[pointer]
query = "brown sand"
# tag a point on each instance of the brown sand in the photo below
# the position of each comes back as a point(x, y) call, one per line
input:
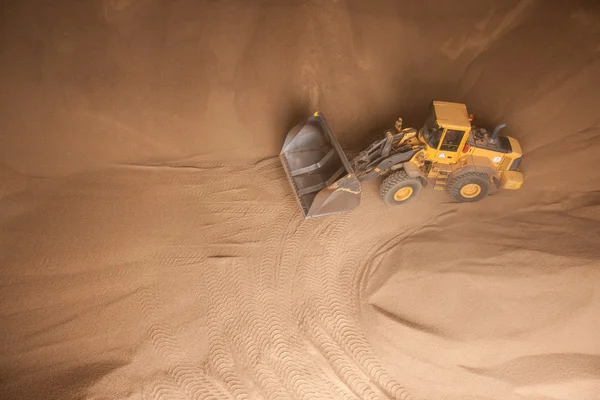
point(151, 247)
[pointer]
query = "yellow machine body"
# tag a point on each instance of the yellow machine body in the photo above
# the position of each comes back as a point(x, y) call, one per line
point(466, 161)
point(450, 144)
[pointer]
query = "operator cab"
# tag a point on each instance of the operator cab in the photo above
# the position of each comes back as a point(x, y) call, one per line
point(446, 131)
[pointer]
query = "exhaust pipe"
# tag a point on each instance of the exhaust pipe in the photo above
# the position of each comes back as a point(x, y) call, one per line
point(494, 137)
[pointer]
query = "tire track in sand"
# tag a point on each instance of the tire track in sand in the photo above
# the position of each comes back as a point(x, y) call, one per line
point(330, 317)
point(230, 348)
point(353, 275)
point(287, 358)
point(293, 253)
point(221, 351)
point(344, 321)
point(184, 377)
point(260, 332)
point(239, 323)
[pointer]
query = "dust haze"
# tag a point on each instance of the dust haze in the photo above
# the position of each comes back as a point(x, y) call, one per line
point(151, 246)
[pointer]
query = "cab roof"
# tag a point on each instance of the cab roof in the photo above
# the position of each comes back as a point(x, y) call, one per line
point(452, 115)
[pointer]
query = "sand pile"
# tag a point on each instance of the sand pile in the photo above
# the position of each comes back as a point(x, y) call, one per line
point(151, 247)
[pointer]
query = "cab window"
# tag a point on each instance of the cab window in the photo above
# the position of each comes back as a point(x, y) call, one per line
point(435, 137)
point(452, 140)
point(432, 133)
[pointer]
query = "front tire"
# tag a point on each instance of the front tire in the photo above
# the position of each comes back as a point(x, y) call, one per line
point(399, 188)
point(468, 187)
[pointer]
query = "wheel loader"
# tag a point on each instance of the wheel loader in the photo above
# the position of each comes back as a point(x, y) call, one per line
point(448, 153)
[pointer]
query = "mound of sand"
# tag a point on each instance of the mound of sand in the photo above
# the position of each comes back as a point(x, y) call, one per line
point(151, 247)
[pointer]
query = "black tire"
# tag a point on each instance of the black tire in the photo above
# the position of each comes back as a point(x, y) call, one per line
point(396, 181)
point(456, 183)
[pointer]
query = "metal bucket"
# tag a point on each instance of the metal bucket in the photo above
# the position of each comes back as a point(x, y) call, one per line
point(319, 172)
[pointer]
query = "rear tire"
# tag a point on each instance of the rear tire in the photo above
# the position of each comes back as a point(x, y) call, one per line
point(399, 188)
point(468, 187)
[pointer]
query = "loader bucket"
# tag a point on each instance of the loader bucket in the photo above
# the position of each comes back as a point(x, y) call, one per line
point(322, 179)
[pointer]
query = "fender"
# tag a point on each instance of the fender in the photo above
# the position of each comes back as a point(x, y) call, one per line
point(478, 164)
point(413, 169)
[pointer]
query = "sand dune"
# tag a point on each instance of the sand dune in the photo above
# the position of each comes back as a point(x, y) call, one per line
point(151, 247)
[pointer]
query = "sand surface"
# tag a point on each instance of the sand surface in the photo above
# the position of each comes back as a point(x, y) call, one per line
point(151, 247)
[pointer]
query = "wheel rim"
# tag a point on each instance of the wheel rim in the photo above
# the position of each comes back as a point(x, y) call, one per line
point(403, 193)
point(471, 190)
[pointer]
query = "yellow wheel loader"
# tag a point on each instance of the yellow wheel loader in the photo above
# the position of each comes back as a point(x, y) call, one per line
point(466, 161)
